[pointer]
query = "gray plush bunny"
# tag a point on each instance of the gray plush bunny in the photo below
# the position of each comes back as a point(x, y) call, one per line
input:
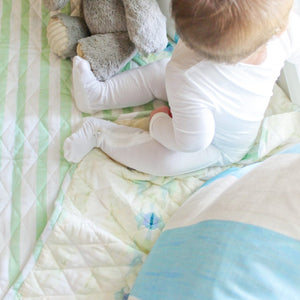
point(108, 34)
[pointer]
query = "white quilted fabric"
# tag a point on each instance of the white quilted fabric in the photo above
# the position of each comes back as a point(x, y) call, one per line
point(101, 233)
point(109, 221)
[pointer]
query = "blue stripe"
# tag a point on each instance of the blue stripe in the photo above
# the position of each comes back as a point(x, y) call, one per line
point(240, 172)
point(293, 149)
point(223, 174)
point(236, 172)
point(221, 260)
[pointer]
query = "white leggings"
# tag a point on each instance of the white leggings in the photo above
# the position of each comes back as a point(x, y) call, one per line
point(134, 147)
point(131, 88)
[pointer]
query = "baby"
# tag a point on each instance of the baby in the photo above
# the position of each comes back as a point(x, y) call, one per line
point(218, 84)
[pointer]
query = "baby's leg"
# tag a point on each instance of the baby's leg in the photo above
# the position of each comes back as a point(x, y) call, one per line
point(136, 149)
point(130, 88)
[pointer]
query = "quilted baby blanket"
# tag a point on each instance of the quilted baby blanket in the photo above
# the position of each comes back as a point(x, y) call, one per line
point(108, 217)
point(81, 231)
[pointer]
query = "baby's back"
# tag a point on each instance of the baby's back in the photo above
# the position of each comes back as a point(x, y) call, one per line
point(238, 95)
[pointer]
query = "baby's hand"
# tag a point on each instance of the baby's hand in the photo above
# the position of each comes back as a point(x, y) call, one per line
point(164, 109)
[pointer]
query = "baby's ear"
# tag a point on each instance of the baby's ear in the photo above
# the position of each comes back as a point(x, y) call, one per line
point(146, 25)
point(53, 5)
point(280, 30)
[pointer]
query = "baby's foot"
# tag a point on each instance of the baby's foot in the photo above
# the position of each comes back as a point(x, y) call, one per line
point(86, 87)
point(81, 142)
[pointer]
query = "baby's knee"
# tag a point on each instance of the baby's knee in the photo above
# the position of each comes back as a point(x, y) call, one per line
point(82, 106)
point(166, 166)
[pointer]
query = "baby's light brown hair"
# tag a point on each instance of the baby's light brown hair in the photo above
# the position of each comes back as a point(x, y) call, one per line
point(229, 30)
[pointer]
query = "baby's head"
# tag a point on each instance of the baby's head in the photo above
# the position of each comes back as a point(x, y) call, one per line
point(229, 30)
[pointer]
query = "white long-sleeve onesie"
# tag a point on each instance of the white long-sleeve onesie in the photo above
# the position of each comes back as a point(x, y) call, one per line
point(220, 104)
point(216, 108)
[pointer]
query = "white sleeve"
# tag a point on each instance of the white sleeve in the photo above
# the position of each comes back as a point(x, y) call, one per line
point(192, 126)
point(291, 72)
point(294, 37)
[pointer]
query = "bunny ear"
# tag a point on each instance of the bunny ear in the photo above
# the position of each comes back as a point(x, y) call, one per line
point(53, 5)
point(146, 25)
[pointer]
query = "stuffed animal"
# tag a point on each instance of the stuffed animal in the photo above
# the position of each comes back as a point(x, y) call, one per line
point(109, 33)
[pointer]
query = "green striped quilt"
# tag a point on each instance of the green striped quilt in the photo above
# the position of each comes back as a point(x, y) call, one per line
point(36, 115)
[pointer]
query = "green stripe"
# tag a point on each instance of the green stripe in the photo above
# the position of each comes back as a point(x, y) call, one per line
point(139, 60)
point(142, 114)
point(66, 105)
point(65, 111)
point(108, 115)
point(148, 106)
point(14, 263)
point(67, 9)
point(127, 110)
point(43, 140)
point(4, 57)
point(127, 67)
